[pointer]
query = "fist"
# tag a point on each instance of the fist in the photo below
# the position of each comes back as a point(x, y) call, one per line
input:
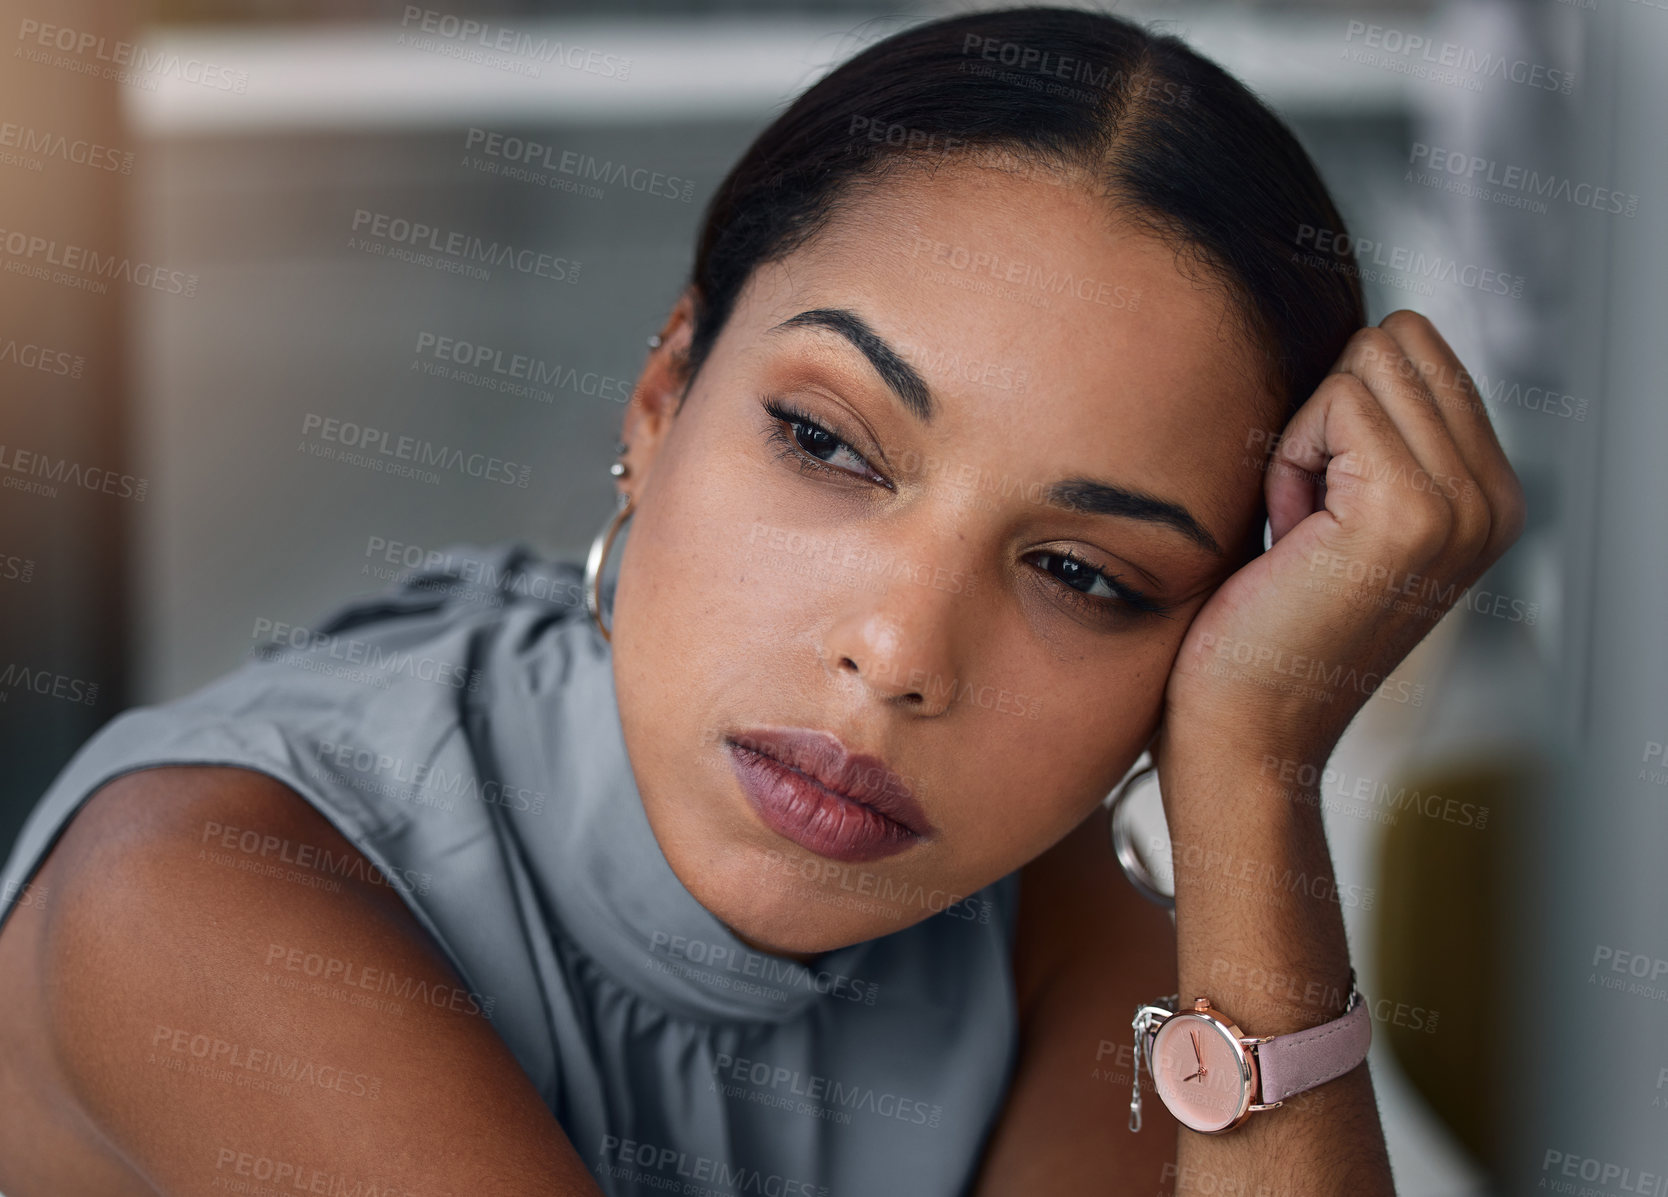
point(1388, 495)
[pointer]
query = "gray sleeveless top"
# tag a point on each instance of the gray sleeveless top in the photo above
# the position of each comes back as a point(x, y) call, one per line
point(461, 731)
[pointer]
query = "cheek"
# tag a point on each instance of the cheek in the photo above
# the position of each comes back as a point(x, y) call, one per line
point(681, 552)
point(1023, 782)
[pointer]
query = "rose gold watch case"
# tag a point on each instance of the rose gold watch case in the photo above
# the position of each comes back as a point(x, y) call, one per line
point(1221, 1026)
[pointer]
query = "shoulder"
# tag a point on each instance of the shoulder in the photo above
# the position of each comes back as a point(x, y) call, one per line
point(202, 1013)
point(459, 582)
point(438, 601)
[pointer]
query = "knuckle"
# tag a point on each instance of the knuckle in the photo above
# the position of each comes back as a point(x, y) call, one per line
point(1474, 531)
point(1422, 528)
point(1406, 318)
point(1373, 347)
point(1351, 392)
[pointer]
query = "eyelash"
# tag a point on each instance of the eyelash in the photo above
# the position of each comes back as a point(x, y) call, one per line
point(790, 448)
point(1128, 602)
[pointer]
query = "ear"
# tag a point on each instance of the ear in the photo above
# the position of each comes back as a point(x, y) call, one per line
point(658, 393)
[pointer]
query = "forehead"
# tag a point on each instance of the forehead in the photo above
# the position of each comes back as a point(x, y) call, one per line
point(1133, 360)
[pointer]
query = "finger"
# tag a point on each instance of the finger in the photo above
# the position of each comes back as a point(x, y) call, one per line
point(1344, 433)
point(1460, 403)
point(1378, 359)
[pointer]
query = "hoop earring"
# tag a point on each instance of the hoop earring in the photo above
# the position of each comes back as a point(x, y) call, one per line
point(1123, 843)
point(594, 561)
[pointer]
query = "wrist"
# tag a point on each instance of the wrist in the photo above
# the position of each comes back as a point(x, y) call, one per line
point(1248, 746)
point(1236, 793)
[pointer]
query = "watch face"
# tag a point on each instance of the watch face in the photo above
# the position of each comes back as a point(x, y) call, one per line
point(1201, 1072)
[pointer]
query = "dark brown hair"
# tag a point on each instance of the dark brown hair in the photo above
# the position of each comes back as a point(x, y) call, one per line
point(1176, 143)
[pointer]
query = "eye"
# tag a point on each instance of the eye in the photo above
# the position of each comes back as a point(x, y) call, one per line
point(814, 448)
point(1094, 591)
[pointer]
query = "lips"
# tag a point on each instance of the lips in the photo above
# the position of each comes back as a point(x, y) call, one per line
point(808, 787)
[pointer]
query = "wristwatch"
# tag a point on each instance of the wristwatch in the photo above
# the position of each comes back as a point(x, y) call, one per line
point(1212, 1076)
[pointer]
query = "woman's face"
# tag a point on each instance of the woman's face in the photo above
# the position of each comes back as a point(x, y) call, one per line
point(987, 596)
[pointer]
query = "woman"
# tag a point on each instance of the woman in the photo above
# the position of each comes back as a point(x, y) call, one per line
point(786, 868)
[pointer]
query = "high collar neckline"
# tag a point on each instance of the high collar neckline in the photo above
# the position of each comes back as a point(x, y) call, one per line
point(593, 853)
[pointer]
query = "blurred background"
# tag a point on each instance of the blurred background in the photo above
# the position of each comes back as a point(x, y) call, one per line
point(247, 171)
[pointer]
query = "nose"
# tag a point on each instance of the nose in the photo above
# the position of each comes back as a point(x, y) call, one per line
point(900, 640)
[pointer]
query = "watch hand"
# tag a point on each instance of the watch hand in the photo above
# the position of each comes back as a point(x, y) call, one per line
point(1196, 1054)
point(1201, 1072)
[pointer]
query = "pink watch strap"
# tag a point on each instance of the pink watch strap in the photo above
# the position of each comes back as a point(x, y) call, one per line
point(1289, 1064)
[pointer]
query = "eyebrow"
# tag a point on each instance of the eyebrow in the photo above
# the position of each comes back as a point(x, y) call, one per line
point(1073, 494)
point(910, 388)
point(1102, 498)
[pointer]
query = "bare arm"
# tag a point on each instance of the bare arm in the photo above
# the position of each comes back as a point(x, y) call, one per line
point(215, 1027)
point(1390, 473)
point(1260, 930)
point(1090, 950)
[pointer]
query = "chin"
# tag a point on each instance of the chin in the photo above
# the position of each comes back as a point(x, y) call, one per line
point(782, 899)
